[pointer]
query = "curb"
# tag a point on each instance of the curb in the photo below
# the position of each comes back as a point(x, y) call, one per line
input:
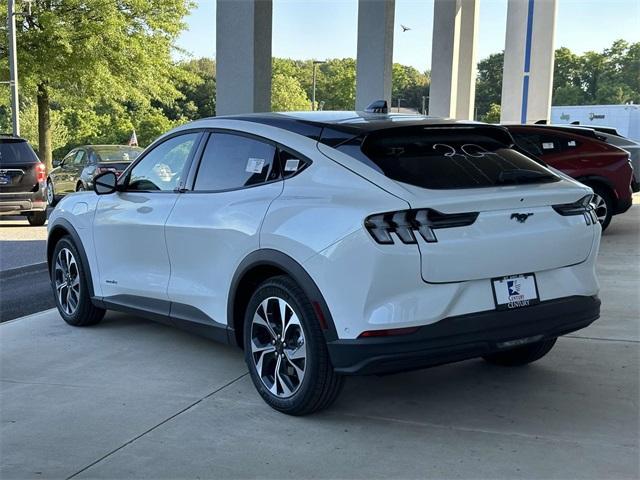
point(12, 272)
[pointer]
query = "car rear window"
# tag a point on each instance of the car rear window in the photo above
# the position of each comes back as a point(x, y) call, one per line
point(117, 154)
point(445, 159)
point(16, 152)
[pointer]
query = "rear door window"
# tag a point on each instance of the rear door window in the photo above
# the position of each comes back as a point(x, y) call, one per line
point(16, 152)
point(230, 162)
point(446, 159)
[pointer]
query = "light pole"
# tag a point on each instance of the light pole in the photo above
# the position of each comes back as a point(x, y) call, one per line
point(313, 89)
point(13, 67)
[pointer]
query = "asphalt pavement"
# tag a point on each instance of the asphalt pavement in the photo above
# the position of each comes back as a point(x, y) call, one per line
point(24, 280)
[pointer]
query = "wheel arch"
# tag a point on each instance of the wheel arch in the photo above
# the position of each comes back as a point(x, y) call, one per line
point(259, 266)
point(62, 228)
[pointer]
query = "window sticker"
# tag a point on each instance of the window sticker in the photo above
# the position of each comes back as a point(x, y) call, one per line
point(571, 143)
point(255, 165)
point(291, 165)
point(547, 145)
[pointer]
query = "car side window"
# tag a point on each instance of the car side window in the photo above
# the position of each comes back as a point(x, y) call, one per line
point(80, 158)
point(536, 144)
point(290, 163)
point(232, 161)
point(68, 160)
point(163, 167)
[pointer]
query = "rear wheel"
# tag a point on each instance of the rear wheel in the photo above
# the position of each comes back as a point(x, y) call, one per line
point(51, 194)
point(37, 219)
point(603, 201)
point(522, 355)
point(285, 350)
point(70, 287)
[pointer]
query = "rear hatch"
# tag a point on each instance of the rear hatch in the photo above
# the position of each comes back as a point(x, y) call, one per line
point(18, 166)
point(479, 209)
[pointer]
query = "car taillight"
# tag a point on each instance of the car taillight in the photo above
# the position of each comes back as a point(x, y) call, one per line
point(405, 222)
point(41, 173)
point(584, 207)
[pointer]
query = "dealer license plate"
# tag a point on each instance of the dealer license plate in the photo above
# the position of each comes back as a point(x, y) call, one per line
point(515, 291)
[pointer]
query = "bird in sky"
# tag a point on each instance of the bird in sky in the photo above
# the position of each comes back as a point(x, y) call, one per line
point(404, 29)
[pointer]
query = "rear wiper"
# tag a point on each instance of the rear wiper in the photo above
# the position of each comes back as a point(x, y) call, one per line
point(523, 175)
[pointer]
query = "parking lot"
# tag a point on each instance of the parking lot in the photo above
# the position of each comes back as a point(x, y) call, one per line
point(131, 398)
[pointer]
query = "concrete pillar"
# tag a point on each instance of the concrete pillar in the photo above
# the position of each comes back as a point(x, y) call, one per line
point(528, 61)
point(243, 56)
point(444, 58)
point(467, 65)
point(453, 58)
point(375, 51)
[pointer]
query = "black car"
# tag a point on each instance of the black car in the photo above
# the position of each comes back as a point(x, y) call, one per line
point(76, 170)
point(22, 181)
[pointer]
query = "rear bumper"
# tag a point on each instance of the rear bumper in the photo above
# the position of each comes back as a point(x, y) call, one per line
point(462, 337)
point(23, 202)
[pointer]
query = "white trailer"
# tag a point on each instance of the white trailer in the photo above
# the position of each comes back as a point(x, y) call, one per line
point(624, 118)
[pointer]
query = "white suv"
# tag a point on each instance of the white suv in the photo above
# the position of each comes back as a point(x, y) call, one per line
point(335, 243)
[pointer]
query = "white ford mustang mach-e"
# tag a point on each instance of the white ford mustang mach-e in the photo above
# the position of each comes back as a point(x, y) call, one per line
point(335, 243)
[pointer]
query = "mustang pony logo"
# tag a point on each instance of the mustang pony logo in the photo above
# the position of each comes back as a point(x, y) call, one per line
point(521, 217)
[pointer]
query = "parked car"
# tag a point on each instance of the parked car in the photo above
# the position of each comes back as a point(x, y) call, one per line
point(630, 146)
point(22, 181)
point(328, 244)
point(78, 168)
point(582, 154)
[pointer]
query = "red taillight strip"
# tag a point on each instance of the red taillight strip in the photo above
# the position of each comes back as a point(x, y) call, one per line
point(41, 173)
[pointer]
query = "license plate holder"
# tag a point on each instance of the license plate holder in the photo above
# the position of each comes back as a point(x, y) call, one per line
point(515, 291)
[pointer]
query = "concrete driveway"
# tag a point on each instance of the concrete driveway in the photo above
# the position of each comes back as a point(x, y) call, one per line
point(134, 399)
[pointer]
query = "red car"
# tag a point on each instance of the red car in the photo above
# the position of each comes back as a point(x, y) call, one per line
point(581, 154)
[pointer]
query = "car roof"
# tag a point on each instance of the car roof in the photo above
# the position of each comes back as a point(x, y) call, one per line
point(334, 127)
point(569, 129)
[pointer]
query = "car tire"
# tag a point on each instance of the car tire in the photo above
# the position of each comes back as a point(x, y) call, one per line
point(522, 355)
point(603, 201)
point(51, 194)
point(308, 382)
point(37, 219)
point(74, 303)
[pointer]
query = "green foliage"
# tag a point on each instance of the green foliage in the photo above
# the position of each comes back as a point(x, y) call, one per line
point(492, 115)
point(287, 94)
point(489, 84)
point(409, 85)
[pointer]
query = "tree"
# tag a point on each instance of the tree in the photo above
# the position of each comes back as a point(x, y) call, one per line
point(97, 52)
point(489, 84)
point(287, 94)
point(409, 85)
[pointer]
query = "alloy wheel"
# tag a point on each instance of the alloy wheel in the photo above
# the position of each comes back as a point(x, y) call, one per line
point(600, 208)
point(50, 193)
point(278, 347)
point(67, 281)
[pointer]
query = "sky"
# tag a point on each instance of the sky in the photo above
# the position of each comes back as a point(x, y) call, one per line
point(321, 29)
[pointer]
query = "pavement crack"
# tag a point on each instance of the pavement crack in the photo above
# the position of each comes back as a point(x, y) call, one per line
point(180, 412)
point(618, 340)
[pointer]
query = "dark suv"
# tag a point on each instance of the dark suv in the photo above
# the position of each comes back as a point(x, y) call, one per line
point(22, 181)
point(76, 170)
point(583, 155)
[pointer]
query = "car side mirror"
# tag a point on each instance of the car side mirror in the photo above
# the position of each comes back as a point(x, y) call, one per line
point(105, 183)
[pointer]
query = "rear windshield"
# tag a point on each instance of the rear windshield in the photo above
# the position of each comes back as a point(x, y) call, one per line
point(16, 152)
point(445, 159)
point(117, 154)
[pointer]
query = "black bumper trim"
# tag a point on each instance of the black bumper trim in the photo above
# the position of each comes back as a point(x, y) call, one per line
point(459, 338)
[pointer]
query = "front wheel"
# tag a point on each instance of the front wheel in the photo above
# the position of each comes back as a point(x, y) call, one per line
point(51, 194)
point(522, 355)
point(70, 286)
point(285, 350)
